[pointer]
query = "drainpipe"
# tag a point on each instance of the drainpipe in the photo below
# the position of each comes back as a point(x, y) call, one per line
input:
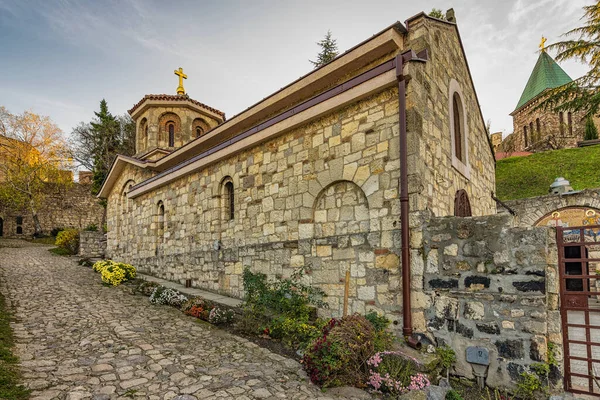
point(407, 329)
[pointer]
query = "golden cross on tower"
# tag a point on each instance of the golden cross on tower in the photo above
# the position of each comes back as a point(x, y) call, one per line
point(182, 76)
point(543, 44)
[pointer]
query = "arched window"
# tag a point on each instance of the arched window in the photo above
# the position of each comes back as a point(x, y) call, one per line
point(462, 205)
point(570, 122)
point(533, 138)
point(228, 199)
point(171, 130)
point(160, 222)
point(525, 136)
point(561, 123)
point(146, 137)
point(200, 127)
point(459, 129)
point(459, 149)
point(142, 135)
point(538, 128)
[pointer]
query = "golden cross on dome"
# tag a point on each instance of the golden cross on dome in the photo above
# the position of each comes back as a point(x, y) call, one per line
point(182, 76)
point(543, 44)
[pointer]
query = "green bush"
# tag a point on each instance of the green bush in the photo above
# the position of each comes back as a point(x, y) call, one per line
point(68, 240)
point(339, 356)
point(91, 228)
point(282, 308)
point(379, 322)
point(453, 395)
point(591, 132)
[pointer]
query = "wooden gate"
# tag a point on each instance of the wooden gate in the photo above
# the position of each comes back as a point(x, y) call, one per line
point(579, 271)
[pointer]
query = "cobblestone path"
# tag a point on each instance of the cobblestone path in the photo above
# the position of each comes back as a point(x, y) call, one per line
point(78, 339)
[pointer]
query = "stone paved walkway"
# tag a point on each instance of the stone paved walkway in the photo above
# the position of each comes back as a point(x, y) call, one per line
point(78, 339)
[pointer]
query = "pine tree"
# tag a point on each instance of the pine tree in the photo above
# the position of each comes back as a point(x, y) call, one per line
point(591, 132)
point(582, 94)
point(328, 52)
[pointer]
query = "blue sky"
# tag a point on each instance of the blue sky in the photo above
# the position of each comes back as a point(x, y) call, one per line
point(61, 57)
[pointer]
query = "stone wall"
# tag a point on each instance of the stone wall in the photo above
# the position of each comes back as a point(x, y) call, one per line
point(437, 174)
point(550, 134)
point(71, 207)
point(92, 244)
point(496, 286)
point(529, 211)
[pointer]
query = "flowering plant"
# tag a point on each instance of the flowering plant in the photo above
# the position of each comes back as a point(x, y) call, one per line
point(390, 372)
point(167, 296)
point(114, 273)
point(220, 316)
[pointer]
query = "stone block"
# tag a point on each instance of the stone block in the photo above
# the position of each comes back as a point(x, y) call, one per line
point(474, 310)
point(451, 250)
point(511, 349)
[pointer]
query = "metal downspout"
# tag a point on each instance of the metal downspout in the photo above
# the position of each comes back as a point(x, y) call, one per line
point(407, 329)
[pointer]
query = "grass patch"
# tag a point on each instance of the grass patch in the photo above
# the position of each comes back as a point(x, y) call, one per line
point(9, 373)
point(59, 251)
point(44, 240)
point(521, 177)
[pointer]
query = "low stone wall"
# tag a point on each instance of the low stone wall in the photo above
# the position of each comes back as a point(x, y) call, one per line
point(92, 244)
point(496, 286)
point(529, 211)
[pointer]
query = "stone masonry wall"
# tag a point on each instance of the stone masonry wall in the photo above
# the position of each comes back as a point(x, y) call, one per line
point(550, 129)
point(437, 178)
point(73, 207)
point(496, 286)
point(323, 196)
point(531, 210)
point(92, 244)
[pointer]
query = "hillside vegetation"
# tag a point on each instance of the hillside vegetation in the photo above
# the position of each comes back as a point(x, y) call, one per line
point(520, 177)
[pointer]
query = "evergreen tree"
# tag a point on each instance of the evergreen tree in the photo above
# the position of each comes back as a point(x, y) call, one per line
point(582, 94)
point(97, 143)
point(329, 51)
point(591, 132)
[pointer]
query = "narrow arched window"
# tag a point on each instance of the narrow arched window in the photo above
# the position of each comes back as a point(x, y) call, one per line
point(533, 138)
point(458, 127)
point(171, 129)
point(525, 136)
point(199, 131)
point(570, 122)
point(160, 222)
point(561, 123)
point(462, 205)
point(229, 201)
point(146, 137)
point(537, 127)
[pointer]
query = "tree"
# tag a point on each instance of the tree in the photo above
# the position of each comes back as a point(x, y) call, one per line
point(591, 132)
point(582, 94)
point(98, 142)
point(34, 155)
point(436, 13)
point(329, 51)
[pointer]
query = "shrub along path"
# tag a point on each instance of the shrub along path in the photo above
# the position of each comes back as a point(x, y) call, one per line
point(78, 339)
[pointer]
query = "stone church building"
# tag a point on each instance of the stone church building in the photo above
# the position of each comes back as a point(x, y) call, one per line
point(540, 129)
point(310, 176)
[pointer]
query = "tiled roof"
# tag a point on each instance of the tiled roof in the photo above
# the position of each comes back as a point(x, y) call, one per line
point(547, 74)
point(500, 155)
point(175, 97)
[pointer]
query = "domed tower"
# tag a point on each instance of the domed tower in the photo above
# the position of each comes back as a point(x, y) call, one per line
point(166, 122)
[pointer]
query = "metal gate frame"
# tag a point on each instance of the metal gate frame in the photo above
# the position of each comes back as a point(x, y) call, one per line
point(578, 301)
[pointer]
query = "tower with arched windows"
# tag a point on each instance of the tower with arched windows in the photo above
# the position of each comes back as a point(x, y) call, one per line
point(537, 129)
point(166, 122)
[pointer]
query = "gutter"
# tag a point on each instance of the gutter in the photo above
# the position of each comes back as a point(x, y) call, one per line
point(407, 329)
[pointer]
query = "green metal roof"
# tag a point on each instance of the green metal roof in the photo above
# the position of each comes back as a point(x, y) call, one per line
point(546, 74)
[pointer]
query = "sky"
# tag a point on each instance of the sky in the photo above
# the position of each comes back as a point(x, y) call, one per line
point(61, 57)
